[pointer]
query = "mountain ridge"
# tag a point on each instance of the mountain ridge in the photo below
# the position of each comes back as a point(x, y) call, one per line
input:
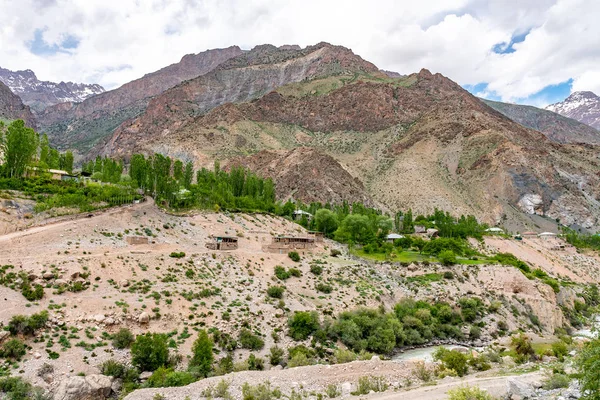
point(583, 106)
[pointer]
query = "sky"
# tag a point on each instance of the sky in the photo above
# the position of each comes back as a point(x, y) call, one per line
point(522, 51)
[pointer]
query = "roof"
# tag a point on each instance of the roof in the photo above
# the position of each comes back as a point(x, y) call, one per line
point(529, 233)
point(302, 212)
point(547, 234)
point(58, 171)
point(494, 229)
point(394, 236)
point(225, 237)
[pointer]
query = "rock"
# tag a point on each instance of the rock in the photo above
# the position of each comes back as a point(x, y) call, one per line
point(37, 355)
point(277, 368)
point(519, 389)
point(60, 282)
point(145, 375)
point(117, 385)
point(144, 318)
point(74, 275)
point(99, 318)
point(346, 388)
point(48, 275)
point(91, 387)
point(124, 283)
point(508, 361)
point(109, 321)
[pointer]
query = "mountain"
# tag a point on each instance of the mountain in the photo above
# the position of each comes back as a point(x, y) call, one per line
point(555, 126)
point(419, 142)
point(82, 125)
point(11, 107)
point(240, 79)
point(582, 106)
point(41, 94)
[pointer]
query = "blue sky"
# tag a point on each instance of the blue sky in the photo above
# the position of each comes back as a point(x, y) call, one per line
point(40, 47)
point(549, 95)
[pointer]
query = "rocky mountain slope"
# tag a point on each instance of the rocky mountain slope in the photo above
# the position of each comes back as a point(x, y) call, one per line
point(582, 106)
point(555, 126)
point(416, 142)
point(240, 79)
point(11, 107)
point(41, 94)
point(81, 125)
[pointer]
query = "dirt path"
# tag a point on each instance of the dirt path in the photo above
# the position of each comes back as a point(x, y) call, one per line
point(496, 386)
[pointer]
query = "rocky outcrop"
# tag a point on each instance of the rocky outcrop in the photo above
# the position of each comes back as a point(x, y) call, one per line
point(81, 125)
point(581, 106)
point(41, 94)
point(11, 107)
point(90, 387)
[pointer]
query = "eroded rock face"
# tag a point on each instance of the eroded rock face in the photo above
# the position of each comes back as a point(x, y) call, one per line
point(90, 387)
point(11, 107)
point(532, 204)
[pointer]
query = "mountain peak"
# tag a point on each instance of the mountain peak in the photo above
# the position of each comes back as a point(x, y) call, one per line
point(583, 106)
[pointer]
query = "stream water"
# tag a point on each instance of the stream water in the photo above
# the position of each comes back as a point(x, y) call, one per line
point(424, 353)
point(591, 332)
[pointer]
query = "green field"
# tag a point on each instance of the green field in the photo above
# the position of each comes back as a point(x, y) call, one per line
point(412, 256)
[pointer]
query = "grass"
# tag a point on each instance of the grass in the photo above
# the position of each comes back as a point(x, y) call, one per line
point(413, 256)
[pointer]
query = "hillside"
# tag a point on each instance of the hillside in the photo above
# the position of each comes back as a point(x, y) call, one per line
point(11, 107)
point(555, 126)
point(415, 142)
point(581, 106)
point(42, 94)
point(96, 283)
point(82, 125)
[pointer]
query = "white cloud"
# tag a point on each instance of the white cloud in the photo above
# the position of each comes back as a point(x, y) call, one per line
point(120, 40)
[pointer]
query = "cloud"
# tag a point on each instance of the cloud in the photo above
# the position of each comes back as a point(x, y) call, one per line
point(512, 50)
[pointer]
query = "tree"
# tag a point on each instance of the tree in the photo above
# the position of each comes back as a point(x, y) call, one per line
point(325, 221)
point(202, 358)
point(20, 148)
point(68, 162)
point(178, 170)
point(150, 351)
point(588, 364)
point(188, 175)
point(355, 228)
point(407, 224)
point(303, 324)
point(44, 151)
point(447, 257)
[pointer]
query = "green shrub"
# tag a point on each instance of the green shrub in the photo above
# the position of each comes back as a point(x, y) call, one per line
point(468, 393)
point(335, 253)
point(281, 273)
point(510, 259)
point(275, 292)
point(13, 348)
point(560, 350)
point(16, 388)
point(523, 348)
point(587, 362)
point(475, 332)
point(32, 294)
point(316, 269)
point(255, 363)
point(176, 254)
point(295, 272)
point(333, 391)
point(294, 256)
point(250, 341)
point(324, 288)
point(276, 355)
point(344, 356)
point(366, 384)
point(557, 381)
point(166, 377)
point(123, 339)
point(453, 360)
point(303, 324)
point(261, 391)
point(150, 351)
point(21, 324)
point(447, 257)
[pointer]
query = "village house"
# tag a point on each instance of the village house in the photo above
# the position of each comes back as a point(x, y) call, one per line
point(223, 243)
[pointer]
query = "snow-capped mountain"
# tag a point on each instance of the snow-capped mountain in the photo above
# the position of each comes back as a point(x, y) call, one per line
point(41, 94)
point(582, 106)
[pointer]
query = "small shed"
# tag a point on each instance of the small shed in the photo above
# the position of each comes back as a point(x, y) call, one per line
point(393, 236)
point(133, 240)
point(284, 244)
point(298, 214)
point(223, 243)
point(494, 230)
point(432, 232)
point(420, 229)
point(529, 234)
point(547, 235)
point(318, 236)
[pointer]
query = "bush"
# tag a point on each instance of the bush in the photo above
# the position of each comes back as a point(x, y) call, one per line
point(166, 377)
point(21, 324)
point(275, 292)
point(475, 332)
point(250, 341)
point(316, 269)
point(13, 348)
point(294, 256)
point(587, 365)
point(176, 254)
point(32, 294)
point(281, 273)
point(150, 351)
point(453, 360)
point(468, 393)
point(276, 355)
point(295, 272)
point(447, 257)
point(303, 324)
point(123, 339)
point(16, 388)
point(557, 381)
point(261, 391)
point(202, 357)
point(255, 363)
point(344, 356)
point(324, 288)
point(366, 384)
point(560, 350)
point(335, 253)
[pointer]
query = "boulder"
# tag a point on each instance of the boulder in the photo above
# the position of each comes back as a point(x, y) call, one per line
point(519, 390)
point(60, 282)
point(144, 318)
point(124, 283)
point(48, 275)
point(91, 387)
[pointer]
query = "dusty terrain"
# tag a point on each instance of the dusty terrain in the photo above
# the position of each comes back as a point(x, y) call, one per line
point(145, 289)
